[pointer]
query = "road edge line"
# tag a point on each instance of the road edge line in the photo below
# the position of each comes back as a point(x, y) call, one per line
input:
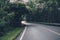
point(23, 33)
point(52, 31)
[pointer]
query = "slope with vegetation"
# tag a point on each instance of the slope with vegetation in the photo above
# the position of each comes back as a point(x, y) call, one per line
point(10, 19)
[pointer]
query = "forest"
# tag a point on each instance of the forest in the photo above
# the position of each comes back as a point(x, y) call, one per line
point(11, 14)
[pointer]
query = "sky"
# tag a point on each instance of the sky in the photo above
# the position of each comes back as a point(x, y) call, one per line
point(12, 0)
point(16, 0)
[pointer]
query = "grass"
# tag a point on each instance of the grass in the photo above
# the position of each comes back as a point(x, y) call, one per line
point(11, 35)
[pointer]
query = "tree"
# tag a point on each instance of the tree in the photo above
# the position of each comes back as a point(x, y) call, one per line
point(19, 10)
point(44, 10)
point(3, 14)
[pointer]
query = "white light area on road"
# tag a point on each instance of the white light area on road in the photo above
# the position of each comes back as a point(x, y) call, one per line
point(23, 22)
point(26, 23)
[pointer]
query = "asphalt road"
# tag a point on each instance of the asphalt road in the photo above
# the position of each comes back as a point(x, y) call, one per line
point(40, 32)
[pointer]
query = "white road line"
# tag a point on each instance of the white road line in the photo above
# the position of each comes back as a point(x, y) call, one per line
point(51, 31)
point(23, 33)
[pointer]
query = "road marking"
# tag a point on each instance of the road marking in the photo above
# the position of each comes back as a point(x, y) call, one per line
point(51, 31)
point(23, 33)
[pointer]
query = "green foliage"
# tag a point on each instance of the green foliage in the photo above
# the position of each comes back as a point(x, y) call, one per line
point(19, 10)
point(10, 15)
point(34, 10)
point(44, 10)
point(11, 34)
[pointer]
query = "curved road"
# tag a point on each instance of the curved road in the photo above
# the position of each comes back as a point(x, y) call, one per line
point(40, 32)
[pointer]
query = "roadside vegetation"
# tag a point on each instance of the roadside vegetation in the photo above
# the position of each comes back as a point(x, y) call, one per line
point(11, 15)
point(10, 19)
point(11, 34)
point(44, 11)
